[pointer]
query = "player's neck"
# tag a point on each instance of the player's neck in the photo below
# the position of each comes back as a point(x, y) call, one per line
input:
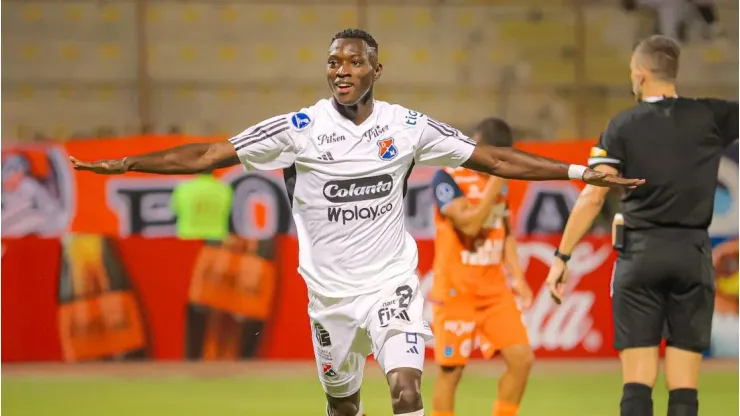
point(356, 113)
point(658, 89)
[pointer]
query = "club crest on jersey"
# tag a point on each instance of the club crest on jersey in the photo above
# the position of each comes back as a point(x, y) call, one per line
point(386, 149)
point(327, 369)
point(300, 121)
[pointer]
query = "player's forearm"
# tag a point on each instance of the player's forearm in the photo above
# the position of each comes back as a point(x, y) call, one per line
point(587, 207)
point(511, 163)
point(511, 258)
point(185, 159)
point(476, 215)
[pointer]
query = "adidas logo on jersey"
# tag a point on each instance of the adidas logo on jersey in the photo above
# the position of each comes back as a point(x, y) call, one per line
point(412, 350)
point(326, 156)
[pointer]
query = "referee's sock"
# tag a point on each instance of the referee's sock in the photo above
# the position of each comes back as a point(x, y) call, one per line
point(683, 402)
point(637, 400)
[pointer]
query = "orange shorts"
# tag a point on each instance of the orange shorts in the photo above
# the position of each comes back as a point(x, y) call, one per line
point(459, 327)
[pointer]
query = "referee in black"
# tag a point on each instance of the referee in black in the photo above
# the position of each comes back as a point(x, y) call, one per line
point(663, 281)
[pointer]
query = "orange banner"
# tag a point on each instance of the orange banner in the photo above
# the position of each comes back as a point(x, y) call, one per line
point(107, 289)
point(49, 198)
point(156, 317)
point(132, 295)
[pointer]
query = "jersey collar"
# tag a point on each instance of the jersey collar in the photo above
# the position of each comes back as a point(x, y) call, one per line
point(348, 124)
point(655, 99)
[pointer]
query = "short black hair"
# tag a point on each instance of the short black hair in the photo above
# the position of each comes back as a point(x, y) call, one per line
point(357, 34)
point(495, 132)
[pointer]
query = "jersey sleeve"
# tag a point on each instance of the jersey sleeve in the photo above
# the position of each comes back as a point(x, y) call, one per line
point(270, 144)
point(445, 189)
point(726, 119)
point(610, 149)
point(442, 145)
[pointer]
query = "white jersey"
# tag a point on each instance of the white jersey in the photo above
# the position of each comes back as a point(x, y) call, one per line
point(349, 182)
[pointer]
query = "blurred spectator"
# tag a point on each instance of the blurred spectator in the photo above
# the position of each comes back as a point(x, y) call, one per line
point(708, 12)
point(672, 16)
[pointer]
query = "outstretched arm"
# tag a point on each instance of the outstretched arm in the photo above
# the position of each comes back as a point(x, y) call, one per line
point(511, 163)
point(185, 159)
point(265, 146)
point(443, 145)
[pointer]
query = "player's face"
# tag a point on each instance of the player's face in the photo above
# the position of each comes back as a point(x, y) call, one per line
point(351, 70)
point(637, 76)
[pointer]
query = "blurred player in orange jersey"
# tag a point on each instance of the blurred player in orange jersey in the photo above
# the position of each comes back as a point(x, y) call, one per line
point(470, 296)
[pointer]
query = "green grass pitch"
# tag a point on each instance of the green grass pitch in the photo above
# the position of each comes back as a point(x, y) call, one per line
point(286, 389)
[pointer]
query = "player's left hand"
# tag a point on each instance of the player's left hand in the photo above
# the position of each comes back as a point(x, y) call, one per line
point(596, 178)
point(523, 291)
point(556, 279)
point(103, 167)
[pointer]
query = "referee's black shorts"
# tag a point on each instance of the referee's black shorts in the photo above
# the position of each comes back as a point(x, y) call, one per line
point(663, 287)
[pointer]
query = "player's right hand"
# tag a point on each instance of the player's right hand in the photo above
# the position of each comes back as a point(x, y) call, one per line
point(556, 279)
point(523, 291)
point(103, 167)
point(596, 178)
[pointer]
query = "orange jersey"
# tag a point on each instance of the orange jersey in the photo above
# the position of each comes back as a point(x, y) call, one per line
point(464, 265)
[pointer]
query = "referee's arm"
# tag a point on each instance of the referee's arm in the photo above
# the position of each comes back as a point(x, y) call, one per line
point(725, 118)
point(586, 209)
point(607, 157)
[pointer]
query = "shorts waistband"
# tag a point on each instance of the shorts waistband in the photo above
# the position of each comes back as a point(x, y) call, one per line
point(673, 233)
point(667, 231)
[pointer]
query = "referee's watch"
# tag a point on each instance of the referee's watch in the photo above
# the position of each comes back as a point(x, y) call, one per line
point(561, 256)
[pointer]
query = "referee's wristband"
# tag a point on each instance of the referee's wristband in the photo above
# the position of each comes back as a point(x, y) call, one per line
point(576, 171)
point(561, 256)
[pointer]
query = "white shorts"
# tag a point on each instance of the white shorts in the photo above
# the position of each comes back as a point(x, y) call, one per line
point(387, 323)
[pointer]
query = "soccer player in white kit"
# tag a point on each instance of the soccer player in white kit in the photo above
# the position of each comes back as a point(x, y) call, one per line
point(346, 162)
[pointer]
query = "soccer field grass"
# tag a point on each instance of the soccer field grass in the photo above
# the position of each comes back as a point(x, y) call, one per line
point(288, 391)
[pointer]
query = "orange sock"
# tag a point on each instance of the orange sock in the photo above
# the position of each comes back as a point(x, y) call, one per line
point(505, 409)
point(438, 413)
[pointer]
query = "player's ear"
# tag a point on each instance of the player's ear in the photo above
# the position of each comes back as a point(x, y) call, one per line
point(378, 72)
point(641, 76)
point(642, 72)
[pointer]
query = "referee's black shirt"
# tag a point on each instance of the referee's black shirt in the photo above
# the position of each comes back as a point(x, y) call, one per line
point(675, 144)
